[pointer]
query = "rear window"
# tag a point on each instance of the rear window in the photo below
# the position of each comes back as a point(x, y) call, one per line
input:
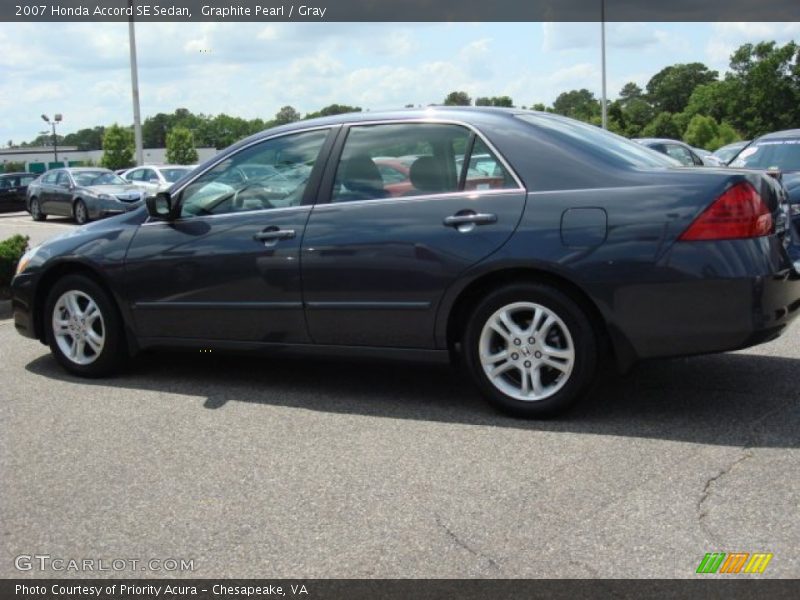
point(599, 141)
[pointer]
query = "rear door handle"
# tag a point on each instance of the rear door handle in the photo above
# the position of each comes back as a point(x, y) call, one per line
point(274, 234)
point(470, 219)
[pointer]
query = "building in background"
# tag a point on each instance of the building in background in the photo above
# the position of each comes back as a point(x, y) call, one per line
point(38, 159)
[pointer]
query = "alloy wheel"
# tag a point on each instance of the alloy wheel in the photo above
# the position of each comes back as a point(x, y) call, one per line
point(78, 327)
point(526, 351)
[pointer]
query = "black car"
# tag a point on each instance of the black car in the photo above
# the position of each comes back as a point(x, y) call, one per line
point(778, 152)
point(84, 193)
point(13, 187)
point(582, 245)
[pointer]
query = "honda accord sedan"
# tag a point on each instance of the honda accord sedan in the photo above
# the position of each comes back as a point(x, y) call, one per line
point(583, 249)
point(84, 194)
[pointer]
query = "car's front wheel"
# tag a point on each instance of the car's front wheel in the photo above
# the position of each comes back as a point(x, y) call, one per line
point(80, 212)
point(84, 329)
point(36, 210)
point(531, 349)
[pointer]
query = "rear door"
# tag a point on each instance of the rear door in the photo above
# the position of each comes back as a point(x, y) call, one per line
point(228, 268)
point(376, 265)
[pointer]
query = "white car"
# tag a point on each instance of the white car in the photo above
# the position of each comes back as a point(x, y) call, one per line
point(154, 179)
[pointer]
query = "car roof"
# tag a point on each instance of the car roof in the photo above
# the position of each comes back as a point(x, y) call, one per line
point(17, 174)
point(79, 169)
point(469, 114)
point(786, 133)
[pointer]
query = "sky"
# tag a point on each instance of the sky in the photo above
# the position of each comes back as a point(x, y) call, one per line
point(252, 69)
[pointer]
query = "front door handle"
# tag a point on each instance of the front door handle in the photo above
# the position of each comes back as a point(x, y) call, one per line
point(273, 234)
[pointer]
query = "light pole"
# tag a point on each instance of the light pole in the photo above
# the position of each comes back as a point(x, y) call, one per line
point(137, 119)
point(603, 53)
point(56, 119)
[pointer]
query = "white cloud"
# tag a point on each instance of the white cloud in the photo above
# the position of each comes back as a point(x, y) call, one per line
point(725, 38)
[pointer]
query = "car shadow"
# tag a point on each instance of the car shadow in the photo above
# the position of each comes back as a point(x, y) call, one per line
point(726, 399)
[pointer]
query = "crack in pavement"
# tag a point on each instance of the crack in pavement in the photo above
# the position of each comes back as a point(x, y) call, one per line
point(745, 453)
point(462, 544)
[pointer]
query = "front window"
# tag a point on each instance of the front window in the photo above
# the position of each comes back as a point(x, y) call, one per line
point(89, 178)
point(771, 154)
point(272, 174)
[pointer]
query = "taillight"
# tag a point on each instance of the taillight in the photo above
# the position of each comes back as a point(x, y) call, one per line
point(738, 213)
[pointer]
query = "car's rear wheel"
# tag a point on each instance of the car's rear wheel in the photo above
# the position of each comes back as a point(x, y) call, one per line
point(531, 349)
point(80, 212)
point(36, 210)
point(84, 329)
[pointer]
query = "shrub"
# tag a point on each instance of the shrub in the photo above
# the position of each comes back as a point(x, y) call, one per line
point(11, 250)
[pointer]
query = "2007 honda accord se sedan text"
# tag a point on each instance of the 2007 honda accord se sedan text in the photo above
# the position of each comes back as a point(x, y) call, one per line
point(561, 246)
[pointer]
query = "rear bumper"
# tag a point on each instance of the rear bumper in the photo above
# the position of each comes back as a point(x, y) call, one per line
point(709, 297)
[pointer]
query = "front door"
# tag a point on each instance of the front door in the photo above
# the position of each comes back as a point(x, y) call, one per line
point(228, 268)
point(378, 257)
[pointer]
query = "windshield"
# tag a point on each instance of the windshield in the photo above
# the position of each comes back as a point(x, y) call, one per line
point(172, 175)
point(771, 154)
point(602, 142)
point(728, 152)
point(87, 178)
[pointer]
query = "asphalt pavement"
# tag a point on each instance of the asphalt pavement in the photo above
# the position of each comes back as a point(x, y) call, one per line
point(259, 466)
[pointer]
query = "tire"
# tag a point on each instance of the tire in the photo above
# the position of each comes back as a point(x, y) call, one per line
point(557, 358)
point(92, 358)
point(80, 213)
point(36, 210)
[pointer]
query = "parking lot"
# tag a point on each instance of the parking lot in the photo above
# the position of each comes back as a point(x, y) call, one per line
point(312, 468)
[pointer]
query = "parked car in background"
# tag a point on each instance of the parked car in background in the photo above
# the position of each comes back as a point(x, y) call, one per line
point(154, 179)
point(780, 152)
point(707, 157)
point(675, 149)
point(13, 190)
point(584, 246)
point(81, 193)
point(729, 152)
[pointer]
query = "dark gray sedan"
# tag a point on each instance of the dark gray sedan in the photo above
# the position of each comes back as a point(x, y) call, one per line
point(13, 189)
point(573, 250)
point(84, 194)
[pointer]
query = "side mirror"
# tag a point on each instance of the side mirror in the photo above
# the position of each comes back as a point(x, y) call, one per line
point(161, 206)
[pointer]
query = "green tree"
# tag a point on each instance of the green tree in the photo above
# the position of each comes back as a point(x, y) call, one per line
point(578, 104)
point(286, 115)
point(457, 99)
point(701, 131)
point(334, 109)
point(505, 101)
point(764, 88)
point(539, 106)
point(636, 114)
point(86, 139)
point(180, 147)
point(662, 126)
point(117, 147)
point(669, 89)
point(630, 91)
